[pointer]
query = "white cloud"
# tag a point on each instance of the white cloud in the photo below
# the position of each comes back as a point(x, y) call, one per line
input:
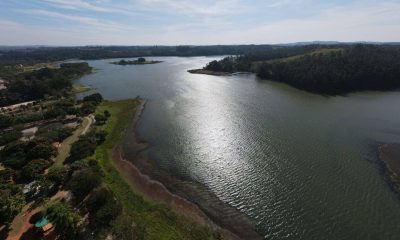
point(88, 21)
point(378, 22)
point(357, 22)
point(6, 22)
point(80, 5)
point(193, 7)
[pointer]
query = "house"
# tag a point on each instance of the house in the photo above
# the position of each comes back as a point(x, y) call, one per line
point(28, 188)
point(47, 227)
point(29, 133)
point(2, 84)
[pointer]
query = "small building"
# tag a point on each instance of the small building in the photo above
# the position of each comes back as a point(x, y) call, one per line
point(2, 84)
point(70, 117)
point(56, 144)
point(29, 133)
point(29, 187)
point(47, 227)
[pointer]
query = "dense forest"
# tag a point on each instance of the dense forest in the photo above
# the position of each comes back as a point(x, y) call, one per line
point(36, 84)
point(32, 55)
point(322, 70)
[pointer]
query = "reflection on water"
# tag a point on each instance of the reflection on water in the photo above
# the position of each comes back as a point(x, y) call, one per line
point(302, 165)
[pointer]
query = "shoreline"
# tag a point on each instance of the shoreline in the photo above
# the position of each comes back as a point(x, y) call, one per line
point(188, 198)
point(389, 155)
point(208, 72)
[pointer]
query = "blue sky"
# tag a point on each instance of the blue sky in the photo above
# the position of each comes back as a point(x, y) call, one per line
point(172, 22)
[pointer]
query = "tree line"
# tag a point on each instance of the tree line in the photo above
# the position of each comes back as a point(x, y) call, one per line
point(33, 85)
point(326, 71)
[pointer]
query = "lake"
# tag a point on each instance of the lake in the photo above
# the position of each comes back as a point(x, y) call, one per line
point(303, 166)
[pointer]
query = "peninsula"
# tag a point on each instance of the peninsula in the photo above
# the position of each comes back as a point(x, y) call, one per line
point(326, 70)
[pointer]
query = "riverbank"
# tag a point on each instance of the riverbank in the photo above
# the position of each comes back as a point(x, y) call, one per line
point(189, 198)
point(389, 154)
point(208, 72)
point(146, 218)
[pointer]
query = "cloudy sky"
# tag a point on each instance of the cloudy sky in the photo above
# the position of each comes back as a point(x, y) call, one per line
point(172, 22)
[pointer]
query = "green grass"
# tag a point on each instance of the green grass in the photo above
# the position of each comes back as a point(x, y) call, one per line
point(155, 221)
point(255, 65)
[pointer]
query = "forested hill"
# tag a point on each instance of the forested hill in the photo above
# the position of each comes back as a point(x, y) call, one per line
point(329, 71)
point(354, 69)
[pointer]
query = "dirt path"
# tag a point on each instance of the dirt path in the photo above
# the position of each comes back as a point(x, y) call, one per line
point(63, 150)
point(21, 223)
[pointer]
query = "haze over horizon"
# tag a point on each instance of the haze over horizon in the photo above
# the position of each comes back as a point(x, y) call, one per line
point(184, 22)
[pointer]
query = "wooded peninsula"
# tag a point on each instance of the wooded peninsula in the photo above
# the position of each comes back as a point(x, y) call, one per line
point(329, 70)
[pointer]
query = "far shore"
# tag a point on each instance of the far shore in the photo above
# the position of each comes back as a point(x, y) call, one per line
point(135, 62)
point(208, 72)
point(188, 198)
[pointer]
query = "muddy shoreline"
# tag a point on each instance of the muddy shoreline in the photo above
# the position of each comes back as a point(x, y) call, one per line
point(189, 198)
point(389, 154)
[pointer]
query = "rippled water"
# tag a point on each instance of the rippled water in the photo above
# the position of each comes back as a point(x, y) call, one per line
point(302, 165)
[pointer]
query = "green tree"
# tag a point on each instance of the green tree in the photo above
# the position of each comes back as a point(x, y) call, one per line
point(82, 148)
point(95, 97)
point(107, 114)
point(100, 136)
point(64, 218)
point(83, 181)
point(34, 169)
point(42, 150)
point(100, 119)
point(11, 203)
point(57, 175)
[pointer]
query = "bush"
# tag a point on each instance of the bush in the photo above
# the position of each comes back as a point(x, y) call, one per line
point(107, 114)
point(100, 119)
point(100, 136)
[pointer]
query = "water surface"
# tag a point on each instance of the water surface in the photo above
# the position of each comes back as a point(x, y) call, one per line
point(302, 165)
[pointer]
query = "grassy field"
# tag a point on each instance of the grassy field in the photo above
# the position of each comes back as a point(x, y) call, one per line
point(140, 218)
